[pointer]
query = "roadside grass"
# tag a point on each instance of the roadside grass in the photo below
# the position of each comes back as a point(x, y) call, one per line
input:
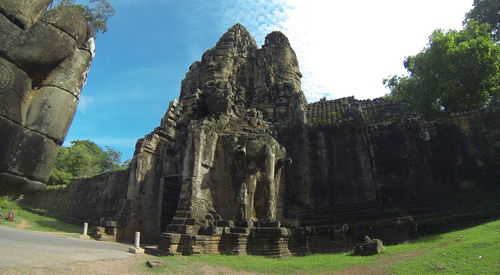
point(34, 221)
point(474, 250)
point(470, 251)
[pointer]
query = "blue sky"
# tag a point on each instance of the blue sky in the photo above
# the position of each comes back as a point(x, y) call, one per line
point(344, 48)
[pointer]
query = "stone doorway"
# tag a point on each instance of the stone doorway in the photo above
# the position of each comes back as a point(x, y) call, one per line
point(170, 188)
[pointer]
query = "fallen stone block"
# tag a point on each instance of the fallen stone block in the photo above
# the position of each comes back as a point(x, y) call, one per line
point(155, 263)
point(369, 247)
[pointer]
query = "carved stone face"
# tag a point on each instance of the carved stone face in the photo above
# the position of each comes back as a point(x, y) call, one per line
point(44, 60)
point(217, 65)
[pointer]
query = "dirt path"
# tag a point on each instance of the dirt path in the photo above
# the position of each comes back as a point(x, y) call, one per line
point(380, 268)
point(116, 266)
point(218, 270)
point(132, 265)
point(135, 265)
point(22, 224)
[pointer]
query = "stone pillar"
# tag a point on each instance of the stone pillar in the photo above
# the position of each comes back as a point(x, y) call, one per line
point(137, 239)
point(270, 163)
point(136, 249)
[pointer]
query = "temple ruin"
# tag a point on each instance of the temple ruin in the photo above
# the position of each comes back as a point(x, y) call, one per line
point(241, 163)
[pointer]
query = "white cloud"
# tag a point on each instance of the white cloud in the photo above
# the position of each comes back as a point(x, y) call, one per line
point(347, 48)
point(83, 104)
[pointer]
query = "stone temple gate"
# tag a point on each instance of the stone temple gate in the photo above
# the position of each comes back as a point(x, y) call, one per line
point(242, 164)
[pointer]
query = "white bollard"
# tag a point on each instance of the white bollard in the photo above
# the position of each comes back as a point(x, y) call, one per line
point(137, 240)
point(84, 236)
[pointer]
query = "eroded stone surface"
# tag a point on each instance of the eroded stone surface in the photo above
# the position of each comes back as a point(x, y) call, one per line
point(24, 13)
point(369, 247)
point(44, 59)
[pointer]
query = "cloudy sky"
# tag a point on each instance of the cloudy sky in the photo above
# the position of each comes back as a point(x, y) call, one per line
point(344, 48)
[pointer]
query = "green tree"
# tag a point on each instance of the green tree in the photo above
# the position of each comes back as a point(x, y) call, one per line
point(457, 71)
point(83, 159)
point(486, 11)
point(96, 12)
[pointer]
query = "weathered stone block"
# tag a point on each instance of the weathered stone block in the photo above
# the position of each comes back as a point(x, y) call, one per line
point(182, 229)
point(210, 231)
point(23, 12)
point(241, 230)
point(70, 75)
point(15, 86)
point(25, 152)
point(155, 263)
point(70, 21)
point(12, 184)
point(41, 47)
point(109, 223)
point(369, 247)
point(51, 112)
point(136, 250)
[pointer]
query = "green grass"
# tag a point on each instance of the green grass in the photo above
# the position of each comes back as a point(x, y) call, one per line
point(457, 252)
point(313, 264)
point(36, 222)
point(471, 251)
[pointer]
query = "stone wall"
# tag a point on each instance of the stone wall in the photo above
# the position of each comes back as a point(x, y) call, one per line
point(44, 59)
point(102, 197)
point(397, 162)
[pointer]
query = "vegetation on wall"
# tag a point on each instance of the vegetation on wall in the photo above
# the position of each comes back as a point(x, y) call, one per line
point(83, 159)
point(96, 12)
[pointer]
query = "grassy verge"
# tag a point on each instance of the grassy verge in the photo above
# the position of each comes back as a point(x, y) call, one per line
point(471, 251)
point(27, 220)
point(313, 264)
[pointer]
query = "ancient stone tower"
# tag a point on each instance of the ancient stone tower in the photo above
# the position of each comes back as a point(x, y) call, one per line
point(242, 164)
point(44, 59)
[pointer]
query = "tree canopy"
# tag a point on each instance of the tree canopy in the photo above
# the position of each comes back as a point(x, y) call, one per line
point(96, 12)
point(457, 71)
point(487, 12)
point(83, 159)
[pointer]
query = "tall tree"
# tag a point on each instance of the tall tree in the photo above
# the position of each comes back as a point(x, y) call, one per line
point(487, 12)
point(457, 71)
point(96, 12)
